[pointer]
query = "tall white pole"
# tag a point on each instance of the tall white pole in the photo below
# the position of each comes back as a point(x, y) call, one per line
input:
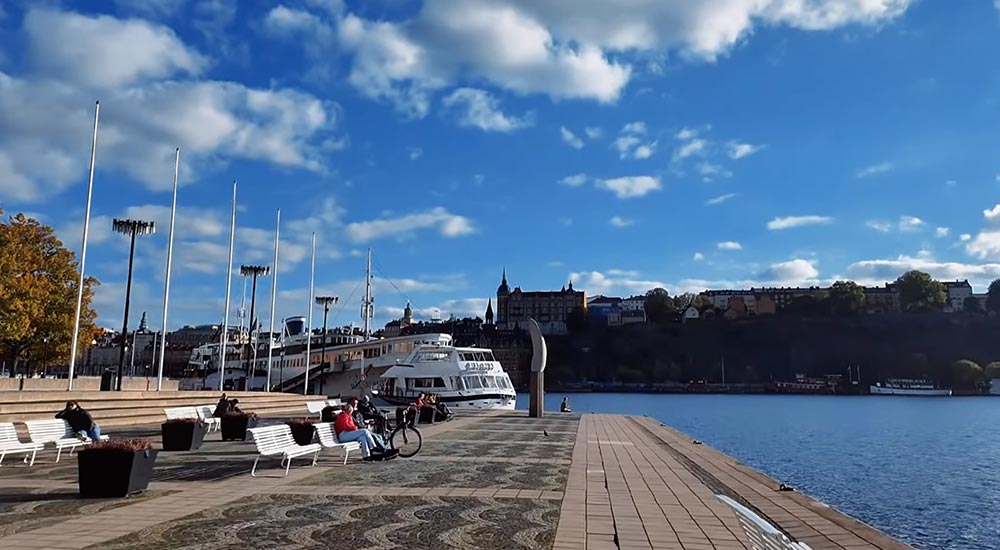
point(367, 311)
point(312, 278)
point(166, 285)
point(83, 250)
point(229, 285)
point(274, 287)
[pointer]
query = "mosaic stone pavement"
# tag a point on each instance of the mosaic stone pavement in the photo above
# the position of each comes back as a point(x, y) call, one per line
point(27, 508)
point(357, 522)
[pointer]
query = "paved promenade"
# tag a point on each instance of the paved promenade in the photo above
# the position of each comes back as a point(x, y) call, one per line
point(494, 480)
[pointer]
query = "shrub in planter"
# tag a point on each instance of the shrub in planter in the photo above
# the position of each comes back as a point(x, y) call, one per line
point(115, 468)
point(183, 434)
point(302, 430)
point(236, 424)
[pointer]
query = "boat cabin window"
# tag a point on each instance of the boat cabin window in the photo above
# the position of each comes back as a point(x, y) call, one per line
point(425, 383)
point(473, 382)
point(425, 356)
point(456, 383)
point(489, 382)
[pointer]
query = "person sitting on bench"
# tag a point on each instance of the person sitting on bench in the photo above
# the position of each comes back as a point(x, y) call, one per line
point(81, 421)
point(347, 430)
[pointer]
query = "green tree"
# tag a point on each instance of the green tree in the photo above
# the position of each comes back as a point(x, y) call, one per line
point(992, 370)
point(993, 297)
point(971, 305)
point(967, 374)
point(38, 289)
point(658, 305)
point(682, 301)
point(846, 297)
point(919, 292)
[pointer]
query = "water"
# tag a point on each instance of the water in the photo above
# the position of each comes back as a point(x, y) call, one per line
point(925, 470)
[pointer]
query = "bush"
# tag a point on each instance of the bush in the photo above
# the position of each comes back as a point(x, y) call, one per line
point(126, 445)
point(300, 422)
point(183, 421)
point(244, 414)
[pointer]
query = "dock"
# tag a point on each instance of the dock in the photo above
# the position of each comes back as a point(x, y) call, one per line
point(488, 480)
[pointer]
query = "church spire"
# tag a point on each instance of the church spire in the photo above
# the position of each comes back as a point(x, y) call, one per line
point(503, 289)
point(489, 312)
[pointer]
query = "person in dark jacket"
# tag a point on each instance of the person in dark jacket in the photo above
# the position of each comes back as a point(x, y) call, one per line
point(224, 406)
point(81, 421)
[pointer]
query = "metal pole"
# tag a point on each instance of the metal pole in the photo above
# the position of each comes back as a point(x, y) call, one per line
point(229, 282)
point(367, 312)
point(83, 249)
point(274, 287)
point(253, 327)
point(312, 277)
point(166, 285)
point(128, 295)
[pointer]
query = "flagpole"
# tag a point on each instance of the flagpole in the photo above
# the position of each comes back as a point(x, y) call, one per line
point(229, 283)
point(274, 287)
point(166, 285)
point(312, 277)
point(83, 250)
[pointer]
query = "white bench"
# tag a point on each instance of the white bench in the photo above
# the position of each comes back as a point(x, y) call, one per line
point(328, 439)
point(315, 407)
point(179, 413)
point(10, 444)
point(761, 535)
point(56, 431)
point(207, 415)
point(278, 441)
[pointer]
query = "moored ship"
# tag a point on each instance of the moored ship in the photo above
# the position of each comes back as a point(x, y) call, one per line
point(904, 386)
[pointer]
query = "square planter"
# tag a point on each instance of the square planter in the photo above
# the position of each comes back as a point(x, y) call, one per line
point(182, 436)
point(105, 473)
point(234, 426)
point(302, 433)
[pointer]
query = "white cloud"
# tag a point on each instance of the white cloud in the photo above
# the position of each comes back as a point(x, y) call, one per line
point(414, 152)
point(698, 256)
point(879, 225)
point(631, 142)
point(789, 222)
point(740, 150)
point(911, 223)
point(965, 237)
point(570, 138)
point(618, 221)
point(693, 147)
point(104, 52)
point(942, 232)
point(709, 171)
point(575, 180)
point(686, 133)
point(729, 245)
point(630, 187)
point(613, 281)
point(879, 271)
point(794, 271)
point(477, 108)
point(437, 219)
point(874, 169)
point(986, 244)
point(593, 132)
point(720, 199)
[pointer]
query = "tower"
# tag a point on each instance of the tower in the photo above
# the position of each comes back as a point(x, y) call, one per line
point(143, 324)
point(407, 316)
point(489, 312)
point(503, 294)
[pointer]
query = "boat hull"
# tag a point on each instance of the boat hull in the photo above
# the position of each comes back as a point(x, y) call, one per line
point(881, 390)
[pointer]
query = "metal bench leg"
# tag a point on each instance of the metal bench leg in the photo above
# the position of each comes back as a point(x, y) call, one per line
point(347, 452)
point(33, 453)
point(59, 453)
point(253, 470)
point(288, 464)
point(3, 454)
point(315, 458)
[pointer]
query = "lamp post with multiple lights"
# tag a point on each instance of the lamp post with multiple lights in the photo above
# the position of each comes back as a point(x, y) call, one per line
point(253, 271)
point(132, 228)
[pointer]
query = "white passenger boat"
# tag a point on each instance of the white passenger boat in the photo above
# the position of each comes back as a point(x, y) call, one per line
point(901, 386)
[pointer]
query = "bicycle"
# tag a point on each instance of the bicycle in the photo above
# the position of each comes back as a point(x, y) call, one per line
point(403, 436)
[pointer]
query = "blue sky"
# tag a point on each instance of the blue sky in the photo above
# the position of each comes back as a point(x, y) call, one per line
point(623, 145)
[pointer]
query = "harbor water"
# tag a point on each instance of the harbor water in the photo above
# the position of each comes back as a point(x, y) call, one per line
point(924, 470)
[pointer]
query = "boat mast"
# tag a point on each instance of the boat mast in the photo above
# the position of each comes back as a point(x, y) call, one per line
point(367, 307)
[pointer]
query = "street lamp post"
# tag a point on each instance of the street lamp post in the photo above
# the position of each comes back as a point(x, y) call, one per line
point(326, 302)
point(253, 271)
point(132, 228)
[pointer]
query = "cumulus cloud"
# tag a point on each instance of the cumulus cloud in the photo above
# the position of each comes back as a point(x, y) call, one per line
point(618, 221)
point(698, 256)
point(942, 232)
point(613, 281)
point(569, 138)
point(437, 219)
point(911, 223)
point(729, 245)
point(632, 143)
point(479, 109)
point(879, 225)
point(793, 271)
point(740, 150)
point(720, 199)
point(789, 222)
point(593, 132)
point(575, 180)
point(986, 244)
point(630, 187)
point(694, 147)
point(879, 271)
point(874, 169)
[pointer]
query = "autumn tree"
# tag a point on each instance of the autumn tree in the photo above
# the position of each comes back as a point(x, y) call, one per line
point(38, 291)
point(658, 305)
point(919, 292)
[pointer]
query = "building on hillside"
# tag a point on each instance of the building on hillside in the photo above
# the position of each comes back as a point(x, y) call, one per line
point(783, 296)
point(634, 303)
point(765, 305)
point(957, 292)
point(736, 308)
point(599, 307)
point(691, 313)
point(881, 299)
point(551, 309)
point(720, 298)
point(397, 326)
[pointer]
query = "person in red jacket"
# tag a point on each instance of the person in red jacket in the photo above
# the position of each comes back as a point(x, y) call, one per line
point(347, 430)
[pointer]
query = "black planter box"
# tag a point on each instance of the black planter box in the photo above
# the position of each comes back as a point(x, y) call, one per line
point(114, 474)
point(329, 414)
point(302, 433)
point(235, 426)
point(182, 436)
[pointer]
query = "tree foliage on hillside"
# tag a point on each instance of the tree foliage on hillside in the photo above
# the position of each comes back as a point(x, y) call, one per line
point(918, 292)
point(658, 305)
point(846, 297)
point(967, 374)
point(993, 297)
point(38, 290)
point(992, 370)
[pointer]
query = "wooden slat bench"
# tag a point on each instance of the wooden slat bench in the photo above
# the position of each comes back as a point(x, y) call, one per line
point(277, 441)
point(56, 431)
point(10, 444)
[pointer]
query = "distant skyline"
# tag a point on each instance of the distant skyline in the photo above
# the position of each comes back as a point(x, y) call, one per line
point(621, 145)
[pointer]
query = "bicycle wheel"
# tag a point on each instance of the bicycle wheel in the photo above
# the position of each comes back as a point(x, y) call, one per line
point(406, 439)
